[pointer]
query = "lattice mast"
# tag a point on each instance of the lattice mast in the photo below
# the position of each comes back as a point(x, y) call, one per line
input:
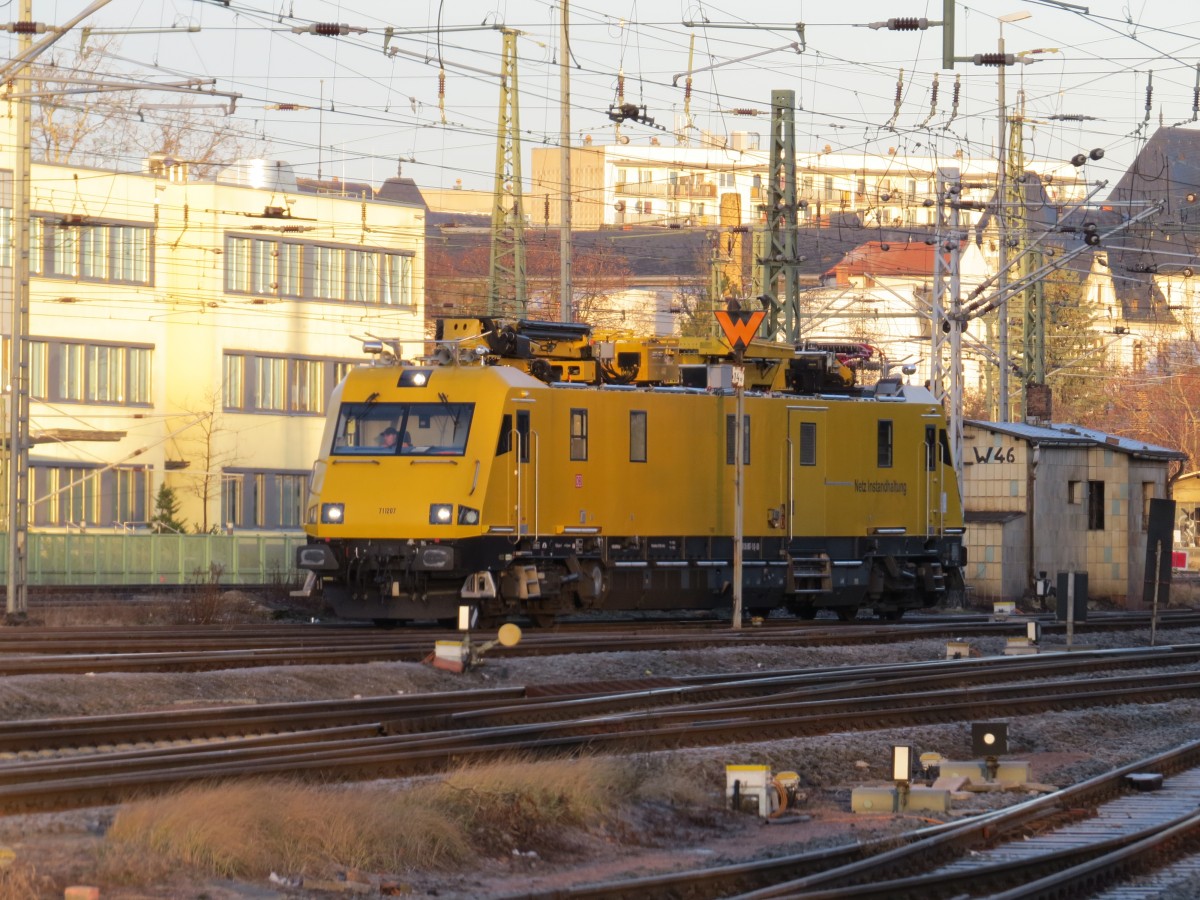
point(776, 249)
point(506, 277)
point(1033, 297)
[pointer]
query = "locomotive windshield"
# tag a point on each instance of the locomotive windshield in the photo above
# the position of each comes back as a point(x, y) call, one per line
point(408, 429)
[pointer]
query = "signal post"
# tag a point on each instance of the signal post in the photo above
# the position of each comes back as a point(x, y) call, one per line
point(739, 328)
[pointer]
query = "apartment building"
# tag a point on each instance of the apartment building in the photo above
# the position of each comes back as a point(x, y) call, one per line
point(631, 184)
point(188, 332)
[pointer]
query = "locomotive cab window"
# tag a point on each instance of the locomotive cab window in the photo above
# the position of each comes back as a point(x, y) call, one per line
point(371, 428)
point(884, 455)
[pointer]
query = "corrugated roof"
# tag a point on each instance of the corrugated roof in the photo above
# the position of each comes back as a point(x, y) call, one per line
point(1065, 435)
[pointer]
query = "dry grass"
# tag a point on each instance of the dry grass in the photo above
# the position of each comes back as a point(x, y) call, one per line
point(250, 829)
point(21, 882)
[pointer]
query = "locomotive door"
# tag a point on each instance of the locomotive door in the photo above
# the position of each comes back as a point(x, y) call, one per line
point(807, 464)
point(932, 494)
point(524, 483)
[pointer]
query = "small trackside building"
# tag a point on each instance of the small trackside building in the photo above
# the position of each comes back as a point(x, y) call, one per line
point(1058, 498)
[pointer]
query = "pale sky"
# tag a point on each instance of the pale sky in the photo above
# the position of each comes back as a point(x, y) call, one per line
point(369, 111)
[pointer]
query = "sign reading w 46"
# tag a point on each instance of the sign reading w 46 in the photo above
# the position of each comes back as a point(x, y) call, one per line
point(995, 455)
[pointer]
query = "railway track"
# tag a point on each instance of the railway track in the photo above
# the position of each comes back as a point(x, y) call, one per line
point(400, 736)
point(30, 650)
point(1082, 841)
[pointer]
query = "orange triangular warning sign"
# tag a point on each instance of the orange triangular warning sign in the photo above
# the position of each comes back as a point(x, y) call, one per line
point(739, 327)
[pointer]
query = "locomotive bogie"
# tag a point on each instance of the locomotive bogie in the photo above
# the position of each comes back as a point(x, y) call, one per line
point(520, 497)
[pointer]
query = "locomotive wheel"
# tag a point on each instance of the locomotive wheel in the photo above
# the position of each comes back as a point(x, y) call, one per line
point(847, 613)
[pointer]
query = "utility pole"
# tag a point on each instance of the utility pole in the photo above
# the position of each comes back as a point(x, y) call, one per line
point(506, 282)
point(17, 596)
point(566, 311)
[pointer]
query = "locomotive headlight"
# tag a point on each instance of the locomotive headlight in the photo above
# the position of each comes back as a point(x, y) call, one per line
point(333, 513)
point(441, 513)
point(468, 516)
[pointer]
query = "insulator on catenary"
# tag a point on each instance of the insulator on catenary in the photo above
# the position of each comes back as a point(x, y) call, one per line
point(907, 23)
point(25, 27)
point(327, 29)
point(994, 59)
point(743, 111)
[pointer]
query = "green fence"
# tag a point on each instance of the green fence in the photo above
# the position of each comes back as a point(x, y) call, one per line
point(146, 559)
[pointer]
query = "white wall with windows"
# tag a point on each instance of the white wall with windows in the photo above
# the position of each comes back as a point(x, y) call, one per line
point(189, 333)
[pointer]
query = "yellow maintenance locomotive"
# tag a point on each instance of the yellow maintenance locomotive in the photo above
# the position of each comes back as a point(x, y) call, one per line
point(542, 469)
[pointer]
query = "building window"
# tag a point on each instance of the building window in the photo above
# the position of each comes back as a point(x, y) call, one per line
point(1147, 496)
point(105, 374)
point(289, 270)
point(637, 436)
point(270, 500)
point(270, 268)
point(118, 254)
point(93, 252)
point(88, 495)
point(884, 451)
point(61, 371)
point(6, 236)
point(307, 385)
point(270, 379)
point(264, 383)
point(1095, 506)
point(37, 240)
point(235, 381)
point(328, 273)
point(231, 501)
point(579, 434)
point(395, 277)
point(730, 431)
point(1075, 492)
point(808, 443)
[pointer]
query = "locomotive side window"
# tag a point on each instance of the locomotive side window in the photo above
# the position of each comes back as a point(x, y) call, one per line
point(931, 447)
point(944, 443)
point(884, 455)
point(730, 431)
point(579, 434)
point(808, 443)
point(523, 435)
point(406, 429)
point(504, 444)
point(637, 435)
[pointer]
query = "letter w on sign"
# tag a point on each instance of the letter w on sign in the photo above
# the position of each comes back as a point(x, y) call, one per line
point(739, 327)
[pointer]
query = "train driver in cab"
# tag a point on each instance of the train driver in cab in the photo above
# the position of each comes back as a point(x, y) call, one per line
point(387, 441)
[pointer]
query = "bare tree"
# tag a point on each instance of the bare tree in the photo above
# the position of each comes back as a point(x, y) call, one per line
point(206, 454)
point(82, 119)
